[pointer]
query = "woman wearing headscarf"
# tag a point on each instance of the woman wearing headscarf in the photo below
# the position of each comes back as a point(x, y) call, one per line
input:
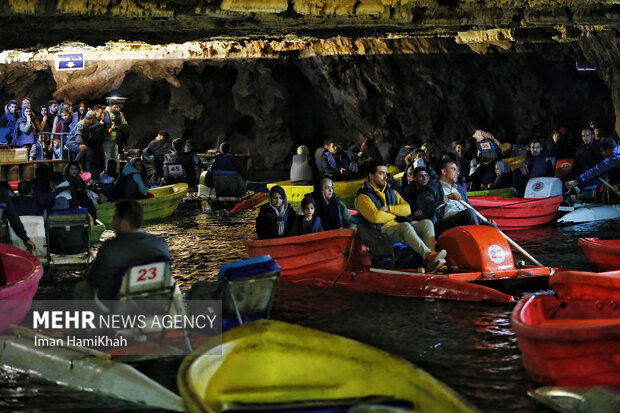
point(504, 176)
point(276, 218)
point(25, 132)
point(130, 185)
point(333, 212)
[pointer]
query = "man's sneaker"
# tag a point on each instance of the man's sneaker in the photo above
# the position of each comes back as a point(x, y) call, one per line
point(435, 260)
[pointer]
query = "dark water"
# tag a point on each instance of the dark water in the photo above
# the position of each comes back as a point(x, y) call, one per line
point(468, 346)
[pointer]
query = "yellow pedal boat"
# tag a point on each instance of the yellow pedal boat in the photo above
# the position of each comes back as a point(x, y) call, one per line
point(346, 190)
point(165, 201)
point(274, 365)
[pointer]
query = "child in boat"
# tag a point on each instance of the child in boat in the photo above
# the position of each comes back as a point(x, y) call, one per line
point(307, 223)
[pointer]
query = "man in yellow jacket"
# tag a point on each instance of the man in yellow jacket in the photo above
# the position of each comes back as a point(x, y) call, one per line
point(383, 209)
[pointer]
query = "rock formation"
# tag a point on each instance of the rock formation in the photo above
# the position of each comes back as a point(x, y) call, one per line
point(270, 75)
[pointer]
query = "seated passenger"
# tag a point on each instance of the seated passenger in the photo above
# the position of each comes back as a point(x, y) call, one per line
point(400, 162)
point(301, 170)
point(488, 152)
point(335, 162)
point(41, 186)
point(276, 218)
point(182, 162)
point(587, 157)
point(611, 152)
point(131, 246)
point(25, 203)
point(504, 176)
point(371, 150)
point(383, 210)
point(84, 197)
point(535, 165)
point(420, 179)
point(108, 178)
point(158, 148)
point(558, 148)
point(441, 201)
point(13, 218)
point(333, 212)
point(63, 194)
point(308, 223)
point(130, 185)
point(318, 156)
point(224, 161)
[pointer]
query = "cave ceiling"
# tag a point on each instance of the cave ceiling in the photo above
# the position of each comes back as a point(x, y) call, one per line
point(29, 24)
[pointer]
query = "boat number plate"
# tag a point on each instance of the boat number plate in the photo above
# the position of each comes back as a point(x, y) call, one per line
point(147, 274)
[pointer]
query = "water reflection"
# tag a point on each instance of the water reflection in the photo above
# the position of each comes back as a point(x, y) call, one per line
point(469, 346)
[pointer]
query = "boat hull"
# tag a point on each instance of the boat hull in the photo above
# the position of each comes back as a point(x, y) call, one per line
point(502, 193)
point(602, 255)
point(590, 213)
point(270, 363)
point(335, 259)
point(517, 213)
point(295, 193)
point(569, 342)
point(86, 370)
point(19, 281)
point(582, 284)
point(163, 204)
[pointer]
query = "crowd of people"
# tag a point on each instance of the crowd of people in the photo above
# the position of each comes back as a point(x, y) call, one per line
point(92, 140)
point(432, 195)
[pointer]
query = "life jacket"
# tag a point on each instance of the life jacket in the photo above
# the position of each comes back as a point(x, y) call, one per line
point(316, 224)
point(368, 190)
point(331, 161)
point(301, 171)
point(487, 151)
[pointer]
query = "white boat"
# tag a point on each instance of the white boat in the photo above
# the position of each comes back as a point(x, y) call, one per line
point(88, 370)
point(588, 213)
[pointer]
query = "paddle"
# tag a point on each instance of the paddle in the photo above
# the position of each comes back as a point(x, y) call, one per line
point(510, 241)
point(608, 185)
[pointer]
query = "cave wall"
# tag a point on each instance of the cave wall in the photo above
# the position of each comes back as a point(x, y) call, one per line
point(270, 106)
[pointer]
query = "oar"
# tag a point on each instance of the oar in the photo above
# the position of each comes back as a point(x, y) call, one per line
point(510, 241)
point(608, 185)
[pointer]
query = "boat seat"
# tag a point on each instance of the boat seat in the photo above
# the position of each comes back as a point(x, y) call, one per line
point(386, 254)
point(147, 289)
point(246, 289)
point(68, 232)
point(35, 228)
point(229, 184)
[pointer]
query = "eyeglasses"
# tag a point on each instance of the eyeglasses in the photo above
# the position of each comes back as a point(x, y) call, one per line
point(328, 187)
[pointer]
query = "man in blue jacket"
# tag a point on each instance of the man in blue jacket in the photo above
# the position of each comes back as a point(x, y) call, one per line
point(611, 153)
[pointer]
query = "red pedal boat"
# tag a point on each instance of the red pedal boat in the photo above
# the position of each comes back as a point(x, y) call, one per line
point(603, 255)
point(20, 273)
point(582, 284)
point(517, 213)
point(338, 259)
point(569, 342)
